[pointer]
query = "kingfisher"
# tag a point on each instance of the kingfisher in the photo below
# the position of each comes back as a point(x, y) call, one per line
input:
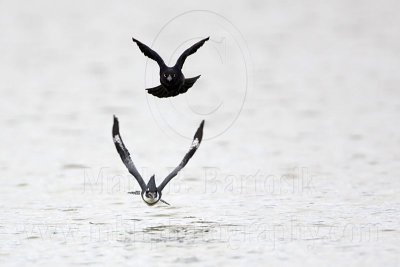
point(151, 194)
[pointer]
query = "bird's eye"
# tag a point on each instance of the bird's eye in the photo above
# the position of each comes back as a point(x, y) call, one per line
point(174, 75)
point(165, 75)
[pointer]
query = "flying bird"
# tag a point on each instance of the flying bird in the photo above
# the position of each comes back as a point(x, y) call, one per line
point(151, 193)
point(172, 80)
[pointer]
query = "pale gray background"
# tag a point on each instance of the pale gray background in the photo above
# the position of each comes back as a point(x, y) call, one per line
point(308, 174)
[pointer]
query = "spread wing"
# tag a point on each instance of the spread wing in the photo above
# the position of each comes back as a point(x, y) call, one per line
point(159, 91)
point(188, 84)
point(191, 50)
point(150, 53)
point(193, 147)
point(125, 156)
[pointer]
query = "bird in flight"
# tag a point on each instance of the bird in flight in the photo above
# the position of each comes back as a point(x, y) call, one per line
point(172, 80)
point(151, 193)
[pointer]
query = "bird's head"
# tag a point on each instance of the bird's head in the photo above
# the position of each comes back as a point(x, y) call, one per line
point(151, 195)
point(169, 76)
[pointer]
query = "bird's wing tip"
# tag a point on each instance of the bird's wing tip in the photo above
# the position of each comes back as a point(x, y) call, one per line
point(199, 133)
point(195, 77)
point(115, 129)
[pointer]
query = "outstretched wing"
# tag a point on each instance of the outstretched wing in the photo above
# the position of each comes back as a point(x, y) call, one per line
point(159, 91)
point(188, 52)
point(193, 147)
point(188, 84)
point(148, 52)
point(124, 153)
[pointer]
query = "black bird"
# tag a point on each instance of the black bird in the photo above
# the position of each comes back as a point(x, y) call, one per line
point(150, 193)
point(172, 80)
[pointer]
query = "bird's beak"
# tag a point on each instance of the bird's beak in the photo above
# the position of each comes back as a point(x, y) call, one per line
point(169, 78)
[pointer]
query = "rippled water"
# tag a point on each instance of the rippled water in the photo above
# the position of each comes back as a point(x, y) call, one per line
point(300, 163)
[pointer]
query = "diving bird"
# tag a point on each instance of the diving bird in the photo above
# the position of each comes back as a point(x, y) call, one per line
point(172, 80)
point(151, 193)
